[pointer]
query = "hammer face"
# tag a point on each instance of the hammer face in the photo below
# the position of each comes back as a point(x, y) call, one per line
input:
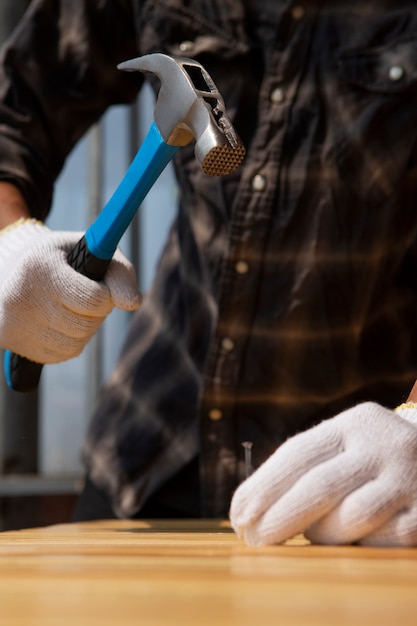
point(216, 154)
point(189, 106)
point(222, 160)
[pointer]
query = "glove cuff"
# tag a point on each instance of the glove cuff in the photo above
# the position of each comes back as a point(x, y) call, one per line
point(20, 222)
point(408, 411)
point(16, 236)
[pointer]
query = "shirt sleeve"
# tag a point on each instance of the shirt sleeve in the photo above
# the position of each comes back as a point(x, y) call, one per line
point(58, 74)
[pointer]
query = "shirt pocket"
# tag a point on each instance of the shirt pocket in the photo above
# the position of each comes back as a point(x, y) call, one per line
point(386, 70)
point(217, 40)
point(180, 29)
point(376, 116)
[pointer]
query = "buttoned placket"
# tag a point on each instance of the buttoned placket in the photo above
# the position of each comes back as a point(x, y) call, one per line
point(253, 211)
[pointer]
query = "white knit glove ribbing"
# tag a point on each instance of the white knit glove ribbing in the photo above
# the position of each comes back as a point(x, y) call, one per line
point(352, 478)
point(48, 311)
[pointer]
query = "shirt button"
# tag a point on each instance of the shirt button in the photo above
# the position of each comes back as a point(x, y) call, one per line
point(396, 72)
point(258, 182)
point(228, 344)
point(186, 46)
point(277, 95)
point(298, 12)
point(241, 267)
point(215, 415)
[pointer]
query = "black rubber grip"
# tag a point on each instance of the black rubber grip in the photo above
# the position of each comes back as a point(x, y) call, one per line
point(23, 375)
point(84, 262)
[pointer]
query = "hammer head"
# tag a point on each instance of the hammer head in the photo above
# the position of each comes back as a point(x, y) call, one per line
point(189, 106)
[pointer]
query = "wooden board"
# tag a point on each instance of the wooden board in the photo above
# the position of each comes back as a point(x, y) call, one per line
point(196, 573)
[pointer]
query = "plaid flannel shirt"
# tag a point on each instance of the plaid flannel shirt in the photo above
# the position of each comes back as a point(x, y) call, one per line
point(286, 291)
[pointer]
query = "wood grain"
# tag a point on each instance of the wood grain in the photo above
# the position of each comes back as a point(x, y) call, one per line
point(197, 573)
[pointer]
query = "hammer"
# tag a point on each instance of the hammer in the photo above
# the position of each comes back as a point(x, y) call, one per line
point(188, 107)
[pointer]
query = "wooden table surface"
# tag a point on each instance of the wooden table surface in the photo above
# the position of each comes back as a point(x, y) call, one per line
point(198, 573)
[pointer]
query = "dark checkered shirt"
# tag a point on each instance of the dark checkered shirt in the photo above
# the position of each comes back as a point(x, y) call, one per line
point(286, 291)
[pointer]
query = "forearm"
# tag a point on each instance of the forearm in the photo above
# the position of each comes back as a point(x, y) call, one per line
point(413, 394)
point(58, 74)
point(12, 205)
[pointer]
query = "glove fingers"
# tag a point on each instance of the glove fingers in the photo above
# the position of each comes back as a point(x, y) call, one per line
point(78, 293)
point(42, 283)
point(49, 346)
point(361, 513)
point(53, 351)
point(281, 471)
point(359, 494)
point(83, 295)
point(400, 530)
point(44, 329)
point(313, 496)
point(121, 280)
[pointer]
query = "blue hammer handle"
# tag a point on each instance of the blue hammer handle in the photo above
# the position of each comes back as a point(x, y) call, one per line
point(92, 254)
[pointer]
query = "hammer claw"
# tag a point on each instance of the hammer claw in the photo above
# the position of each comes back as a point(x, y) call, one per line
point(188, 106)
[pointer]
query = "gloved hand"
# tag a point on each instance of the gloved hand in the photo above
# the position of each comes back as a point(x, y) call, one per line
point(352, 478)
point(48, 311)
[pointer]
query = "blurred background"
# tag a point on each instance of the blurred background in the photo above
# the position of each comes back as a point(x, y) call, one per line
point(41, 434)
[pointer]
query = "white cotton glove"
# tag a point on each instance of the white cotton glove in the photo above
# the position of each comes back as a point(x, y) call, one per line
point(48, 311)
point(352, 478)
